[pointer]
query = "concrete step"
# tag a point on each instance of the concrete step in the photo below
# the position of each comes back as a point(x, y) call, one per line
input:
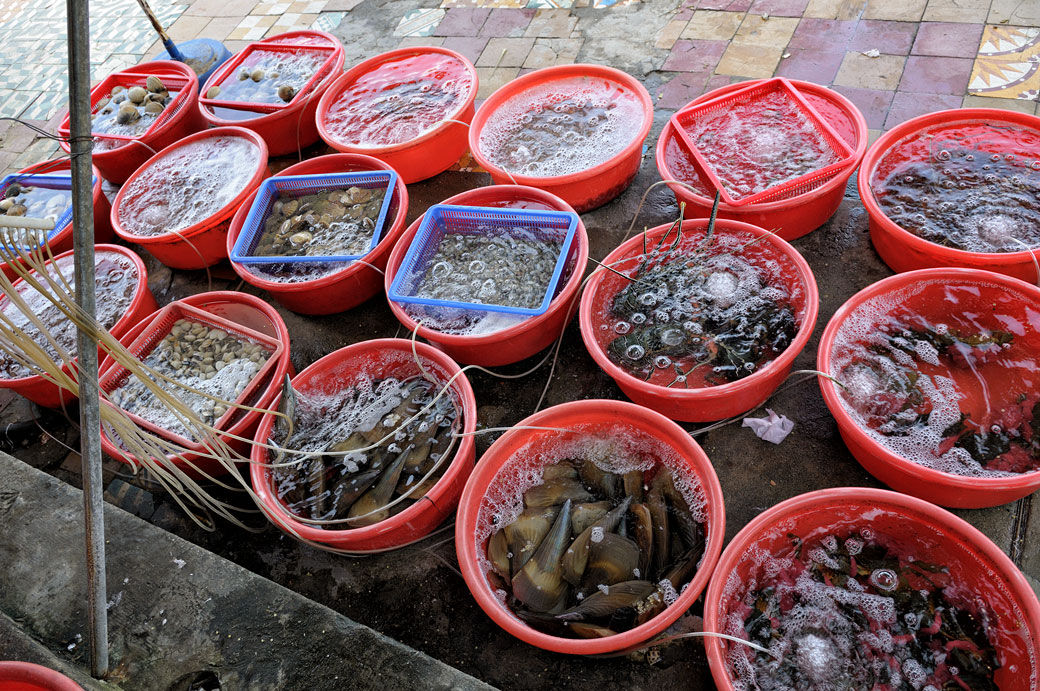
point(176, 611)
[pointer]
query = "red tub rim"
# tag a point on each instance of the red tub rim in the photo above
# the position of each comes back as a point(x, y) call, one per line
point(708, 393)
point(1021, 590)
point(669, 434)
point(545, 74)
point(392, 235)
point(841, 179)
point(845, 422)
point(122, 324)
point(905, 131)
point(214, 219)
point(564, 300)
point(33, 674)
point(335, 90)
point(262, 482)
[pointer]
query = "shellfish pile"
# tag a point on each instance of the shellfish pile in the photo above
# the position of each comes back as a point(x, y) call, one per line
point(596, 552)
point(361, 448)
point(217, 363)
point(328, 223)
point(31, 202)
point(269, 77)
point(131, 111)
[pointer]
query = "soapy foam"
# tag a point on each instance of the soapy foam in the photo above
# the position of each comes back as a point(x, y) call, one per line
point(869, 377)
point(400, 100)
point(188, 185)
point(561, 127)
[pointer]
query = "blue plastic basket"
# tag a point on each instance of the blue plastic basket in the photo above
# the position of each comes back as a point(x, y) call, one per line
point(445, 219)
point(51, 182)
point(299, 186)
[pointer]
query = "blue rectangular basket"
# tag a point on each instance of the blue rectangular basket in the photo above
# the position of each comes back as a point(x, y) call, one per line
point(445, 219)
point(298, 186)
point(50, 182)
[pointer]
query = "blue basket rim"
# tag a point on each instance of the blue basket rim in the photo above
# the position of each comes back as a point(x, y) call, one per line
point(65, 219)
point(259, 211)
point(407, 265)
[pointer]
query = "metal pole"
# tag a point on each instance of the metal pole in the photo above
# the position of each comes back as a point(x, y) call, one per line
point(89, 414)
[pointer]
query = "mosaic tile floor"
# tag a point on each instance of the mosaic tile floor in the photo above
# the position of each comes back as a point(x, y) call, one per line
point(894, 58)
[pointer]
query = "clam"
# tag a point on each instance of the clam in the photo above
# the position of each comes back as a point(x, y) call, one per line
point(611, 560)
point(539, 585)
point(644, 535)
point(633, 483)
point(526, 533)
point(286, 92)
point(603, 604)
point(17, 210)
point(213, 92)
point(576, 557)
point(153, 107)
point(599, 480)
point(137, 94)
point(368, 509)
point(584, 515)
point(498, 554)
point(556, 492)
point(283, 424)
point(154, 84)
point(662, 542)
point(257, 74)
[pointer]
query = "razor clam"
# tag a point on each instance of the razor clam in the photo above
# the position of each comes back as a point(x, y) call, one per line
point(581, 559)
point(375, 443)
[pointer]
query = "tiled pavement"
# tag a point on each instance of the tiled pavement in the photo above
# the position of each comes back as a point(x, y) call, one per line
point(894, 59)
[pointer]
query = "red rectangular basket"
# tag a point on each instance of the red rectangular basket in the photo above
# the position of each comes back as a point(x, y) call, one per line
point(230, 69)
point(683, 119)
point(159, 327)
point(135, 76)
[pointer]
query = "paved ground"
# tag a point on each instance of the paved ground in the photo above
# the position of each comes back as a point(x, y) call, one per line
point(929, 54)
point(894, 58)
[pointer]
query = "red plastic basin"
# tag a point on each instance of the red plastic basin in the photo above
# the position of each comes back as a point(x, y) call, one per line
point(62, 241)
point(934, 536)
point(351, 285)
point(899, 473)
point(25, 676)
point(289, 129)
point(46, 393)
point(204, 243)
point(517, 342)
point(712, 402)
point(520, 449)
point(253, 313)
point(904, 251)
point(585, 189)
point(788, 218)
point(116, 165)
point(424, 156)
point(338, 371)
